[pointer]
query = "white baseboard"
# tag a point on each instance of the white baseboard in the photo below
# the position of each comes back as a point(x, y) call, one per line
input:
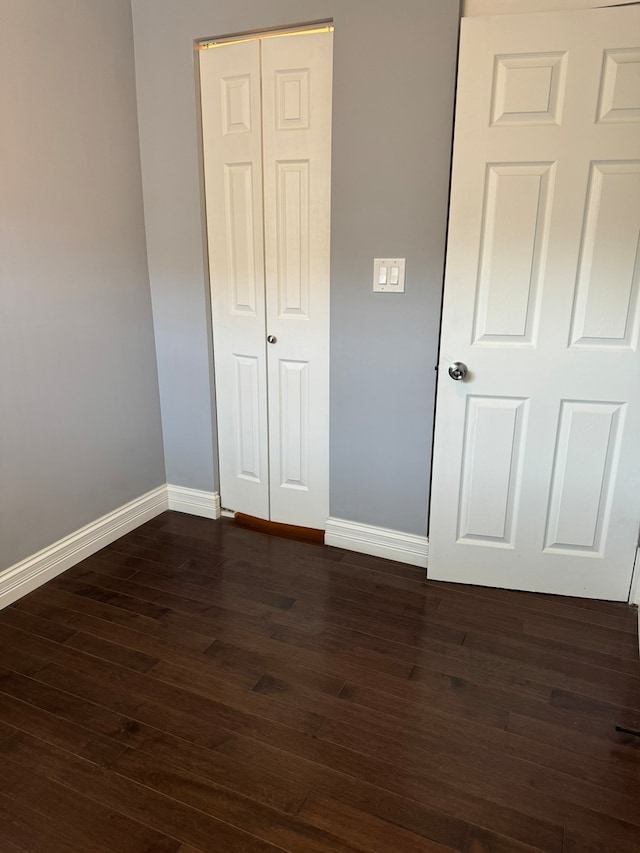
point(28, 574)
point(193, 501)
point(377, 541)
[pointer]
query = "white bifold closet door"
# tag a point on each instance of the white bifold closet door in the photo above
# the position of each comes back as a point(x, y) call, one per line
point(266, 114)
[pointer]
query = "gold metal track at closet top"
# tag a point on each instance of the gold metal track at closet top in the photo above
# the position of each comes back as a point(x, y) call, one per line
point(223, 41)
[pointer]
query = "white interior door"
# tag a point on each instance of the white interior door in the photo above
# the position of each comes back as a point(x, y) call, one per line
point(266, 112)
point(536, 476)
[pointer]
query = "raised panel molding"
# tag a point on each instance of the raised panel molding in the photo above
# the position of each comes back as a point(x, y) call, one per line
point(620, 86)
point(293, 234)
point(586, 461)
point(491, 470)
point(292, 99)
point(517, 206)
point(247, 394)
point(236, 104)
point(377, 541)
point(528, 89)
point(238, 181)
point(294, 424)
point(603, 316)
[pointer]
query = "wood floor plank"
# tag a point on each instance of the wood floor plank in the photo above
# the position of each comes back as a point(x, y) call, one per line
point(314, 651)
point(174, 704)
point(528, 679)
point(442, 737)
point(255, 782)
point(479, 769)
point(619, 750)
point(373, 834)
point(124, 601)
point(403, 629)
point(125, 656)
point(9, 847)
point(625, 712)
point(606, 614)
point(267, 824)
point(163, 596)
point(608, 641)
point(58, 605)
point(387, 567)
point(27, 831)
point(104, 735)
point(441, 812)
point(196, 687)
point(486, 841)
point(161, 578)
point(50, 630)
point(86, 652)
point(165, 644)
point(137, 801)
point(69, 707)
point(533, 649)
point(78, 819)
point(55, 729)
point(336, 577)
point(6, 730)
point(98, 563)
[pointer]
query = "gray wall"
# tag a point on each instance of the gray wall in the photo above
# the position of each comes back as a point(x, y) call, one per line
point(79, 413)
point(393, 104)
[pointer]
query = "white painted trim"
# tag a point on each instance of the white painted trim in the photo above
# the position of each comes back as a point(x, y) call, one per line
point(377, 541)
point(474, 8)
point(28, 574)
point(194, 501)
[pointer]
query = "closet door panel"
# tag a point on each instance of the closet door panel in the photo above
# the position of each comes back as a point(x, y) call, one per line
point(296, 81)
point(232, 134)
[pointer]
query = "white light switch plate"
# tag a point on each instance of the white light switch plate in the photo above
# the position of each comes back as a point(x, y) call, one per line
point(390, 265)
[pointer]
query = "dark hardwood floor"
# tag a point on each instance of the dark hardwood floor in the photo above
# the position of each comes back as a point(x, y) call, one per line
point(199, 687)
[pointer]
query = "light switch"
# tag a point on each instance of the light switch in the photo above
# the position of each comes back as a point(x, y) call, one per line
point(388, 275)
